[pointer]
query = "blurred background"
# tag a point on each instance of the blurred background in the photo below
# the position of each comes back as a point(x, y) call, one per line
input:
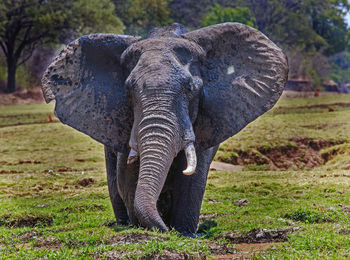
point(313, 33)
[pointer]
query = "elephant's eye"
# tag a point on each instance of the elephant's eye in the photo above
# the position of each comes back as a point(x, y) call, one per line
point(183, 55)
point(193, 84)
point(128, 82)
point(198, 82)
point(189, 86)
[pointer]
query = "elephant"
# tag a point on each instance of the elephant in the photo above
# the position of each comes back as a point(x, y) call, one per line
point(161, 105)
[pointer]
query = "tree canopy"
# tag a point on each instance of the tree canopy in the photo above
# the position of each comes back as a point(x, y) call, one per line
point(140, 16)
point(27, 24)
point(311, 32)
point(219, 14)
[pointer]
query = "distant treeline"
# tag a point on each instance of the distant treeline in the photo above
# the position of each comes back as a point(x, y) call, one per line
point(313, 33)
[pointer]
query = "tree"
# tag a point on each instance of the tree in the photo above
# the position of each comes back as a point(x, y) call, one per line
point(140, 16)
point(311, 25)
point(219, 14)
point(27, 24)
point(189, 13)
point(308, 30)
point(328, 21)
point(341, 67)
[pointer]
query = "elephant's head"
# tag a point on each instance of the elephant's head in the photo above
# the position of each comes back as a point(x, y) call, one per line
point(173, 91)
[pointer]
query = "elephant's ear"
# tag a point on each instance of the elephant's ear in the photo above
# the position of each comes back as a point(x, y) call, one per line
point(243, 75)
point(86, 80)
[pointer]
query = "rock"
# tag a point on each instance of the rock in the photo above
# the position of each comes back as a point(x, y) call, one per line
point(242, 202)
point(346, 208)
point(42, 205)
point(86, 182)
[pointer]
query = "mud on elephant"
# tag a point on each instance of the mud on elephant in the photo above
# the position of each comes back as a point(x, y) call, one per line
point(161, 106)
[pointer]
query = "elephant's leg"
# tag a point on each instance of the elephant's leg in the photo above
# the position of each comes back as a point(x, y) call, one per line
point(117, 203)
point(188, 191)
point(127, 175)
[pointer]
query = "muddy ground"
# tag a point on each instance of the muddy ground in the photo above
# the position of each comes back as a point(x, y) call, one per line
point(302, 152)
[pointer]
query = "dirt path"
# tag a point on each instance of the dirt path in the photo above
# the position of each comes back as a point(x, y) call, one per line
point(220, 166)
point(32, 96)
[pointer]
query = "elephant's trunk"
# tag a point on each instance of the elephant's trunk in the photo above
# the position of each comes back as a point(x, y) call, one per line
point(157, 140)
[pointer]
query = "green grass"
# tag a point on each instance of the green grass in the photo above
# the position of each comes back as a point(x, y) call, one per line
point(290, 118)
point(46, 213)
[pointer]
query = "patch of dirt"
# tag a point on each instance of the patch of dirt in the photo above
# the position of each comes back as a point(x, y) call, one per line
point(344, 231)
point(299, 94)
point(67, 169)
point(172, 255)
point(204, 217)
point(110, 223)
point(86, 182)
point(326, 106)
point(134, 238)
point(323, 108)
point(241, 202)
point(30, 123)
point(10, 172)
point(49, 242)
point(25, 221)
point(261, 235)
point(248, 251)
point(250, 157)
point(323, 126)
point(218, 251)
point(79, 160)
point(29, 162)
point(221, 166)
point(164, 255)
point(346, 208)
point(42, 205)
point(211, 201)
point(93, 207)
point(27, 119)
point(301, 153)
point(31, 96)
point(221, 250)
point(30, 235)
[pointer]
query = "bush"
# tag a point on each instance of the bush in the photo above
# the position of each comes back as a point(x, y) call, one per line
point(309, 216)
point(219, 14)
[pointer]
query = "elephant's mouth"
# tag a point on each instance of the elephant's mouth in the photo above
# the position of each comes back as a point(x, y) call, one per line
point(133, 156)
point(190, 153)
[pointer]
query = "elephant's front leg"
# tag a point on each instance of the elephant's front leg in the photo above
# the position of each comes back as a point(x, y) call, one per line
point(127, 175)
point(188, 192)
point(117, 203)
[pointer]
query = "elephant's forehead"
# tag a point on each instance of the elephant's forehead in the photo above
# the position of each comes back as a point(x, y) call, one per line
point(165, 44)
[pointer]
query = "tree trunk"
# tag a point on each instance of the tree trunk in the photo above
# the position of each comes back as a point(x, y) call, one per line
point(11, 75)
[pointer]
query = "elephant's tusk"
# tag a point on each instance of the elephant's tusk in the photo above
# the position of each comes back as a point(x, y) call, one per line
point(132, 156)
point(191, 157)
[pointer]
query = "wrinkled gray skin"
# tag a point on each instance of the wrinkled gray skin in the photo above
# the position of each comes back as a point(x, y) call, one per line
point(160, 95)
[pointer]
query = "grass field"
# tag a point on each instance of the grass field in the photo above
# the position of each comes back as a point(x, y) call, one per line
point(296, 185)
